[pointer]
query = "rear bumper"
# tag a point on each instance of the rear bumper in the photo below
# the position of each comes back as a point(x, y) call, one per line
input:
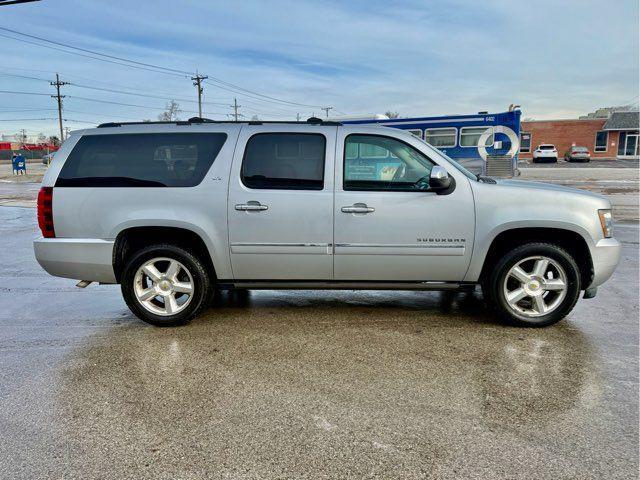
point(605, 256)
point(545, 158)
point(77, 258)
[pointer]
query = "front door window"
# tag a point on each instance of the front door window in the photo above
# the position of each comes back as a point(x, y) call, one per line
point(378, 163)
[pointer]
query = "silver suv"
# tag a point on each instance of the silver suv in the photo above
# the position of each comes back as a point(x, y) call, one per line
point(174, 211)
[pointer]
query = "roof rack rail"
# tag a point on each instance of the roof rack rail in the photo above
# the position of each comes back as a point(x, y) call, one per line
point(199, 120)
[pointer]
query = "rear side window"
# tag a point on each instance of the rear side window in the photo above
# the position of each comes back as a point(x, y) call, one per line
point(287, 161)
point(141, 160)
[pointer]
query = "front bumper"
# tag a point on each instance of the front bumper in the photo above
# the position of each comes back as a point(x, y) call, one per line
point(605, 257)
point(77, 258)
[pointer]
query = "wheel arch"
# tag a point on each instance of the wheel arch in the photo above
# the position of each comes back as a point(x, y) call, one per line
point(133, 238)
point(569, 239)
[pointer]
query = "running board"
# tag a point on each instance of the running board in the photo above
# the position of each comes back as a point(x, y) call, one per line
point(330, 285)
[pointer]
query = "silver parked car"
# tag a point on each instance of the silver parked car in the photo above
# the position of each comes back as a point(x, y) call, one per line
point(577, 154)
point(174, 211)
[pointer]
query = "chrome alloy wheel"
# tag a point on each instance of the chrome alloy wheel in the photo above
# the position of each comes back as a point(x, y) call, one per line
point(535, 286)
point(163, 286)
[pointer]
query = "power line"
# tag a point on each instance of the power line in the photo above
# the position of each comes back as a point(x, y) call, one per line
point(26, 119)
point(109, 102)
point(15, 2)
point(23, 93)
point(197, 78)
point(89, 56)
point(92, 52)
point(20, 110)
point(23, 76)
point(127, 87)
point(110, 90)
point(258, 95)
point(157, 68)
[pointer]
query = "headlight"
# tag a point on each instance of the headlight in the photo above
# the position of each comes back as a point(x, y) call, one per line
point(606, 221)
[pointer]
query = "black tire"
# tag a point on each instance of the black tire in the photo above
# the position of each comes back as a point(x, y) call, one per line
point(202, 285)
point(494, 294)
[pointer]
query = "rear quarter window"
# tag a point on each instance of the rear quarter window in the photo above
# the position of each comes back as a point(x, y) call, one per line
point(141, 160)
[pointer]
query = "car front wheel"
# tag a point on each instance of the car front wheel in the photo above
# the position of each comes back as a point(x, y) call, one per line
point(165, 285)
point(534, 285)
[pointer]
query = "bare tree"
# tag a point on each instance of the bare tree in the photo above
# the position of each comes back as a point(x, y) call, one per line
point(171, 112)
point(42, 139)
point(54, 140)
point(255, 118)
point(391, 114)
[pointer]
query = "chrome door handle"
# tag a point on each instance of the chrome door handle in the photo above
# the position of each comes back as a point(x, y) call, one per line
point(251, 207)
point(358, 208)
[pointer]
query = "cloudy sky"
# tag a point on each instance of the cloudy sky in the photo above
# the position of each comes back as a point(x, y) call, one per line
point(557, 59)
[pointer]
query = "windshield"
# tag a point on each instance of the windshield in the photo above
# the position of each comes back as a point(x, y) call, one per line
point(457, 166)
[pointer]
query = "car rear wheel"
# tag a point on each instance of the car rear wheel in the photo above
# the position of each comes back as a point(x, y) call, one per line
point(165, 285)
point(534, 285)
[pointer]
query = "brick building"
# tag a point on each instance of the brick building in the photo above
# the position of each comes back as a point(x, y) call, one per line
point(606, 138)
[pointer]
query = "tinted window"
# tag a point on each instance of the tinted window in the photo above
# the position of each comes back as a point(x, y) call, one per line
point(141, 160)
point(546, 147)
point(374, 162)
point(288, 161)
point(601, 141)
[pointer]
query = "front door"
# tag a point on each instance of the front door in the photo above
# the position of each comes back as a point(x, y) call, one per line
point(281, 203)
point(387, 226)
point(631, 147)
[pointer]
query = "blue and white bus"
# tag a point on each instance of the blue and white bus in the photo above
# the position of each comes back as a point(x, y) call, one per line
point(468, 139)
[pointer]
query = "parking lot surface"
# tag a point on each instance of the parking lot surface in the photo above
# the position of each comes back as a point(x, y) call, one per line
point(311, 384)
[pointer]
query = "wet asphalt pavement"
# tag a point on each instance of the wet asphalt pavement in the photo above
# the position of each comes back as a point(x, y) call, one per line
point(311, 384)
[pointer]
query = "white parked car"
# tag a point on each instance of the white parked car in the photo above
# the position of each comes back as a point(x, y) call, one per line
point(174, 211)
point(545, 153)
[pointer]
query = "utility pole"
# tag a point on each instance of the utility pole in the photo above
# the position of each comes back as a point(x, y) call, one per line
point(59, 98)
point(297, 117)
point(197, 82)
point(326, 109)
point(66, 132)
point(235, 109)
point(23, 137)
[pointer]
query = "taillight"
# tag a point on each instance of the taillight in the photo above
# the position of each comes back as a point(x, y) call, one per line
point(45, 212)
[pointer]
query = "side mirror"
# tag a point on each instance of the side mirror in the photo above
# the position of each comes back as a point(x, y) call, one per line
point(439, 179)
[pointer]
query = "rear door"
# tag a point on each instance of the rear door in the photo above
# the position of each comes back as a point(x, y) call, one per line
point(280, 204)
